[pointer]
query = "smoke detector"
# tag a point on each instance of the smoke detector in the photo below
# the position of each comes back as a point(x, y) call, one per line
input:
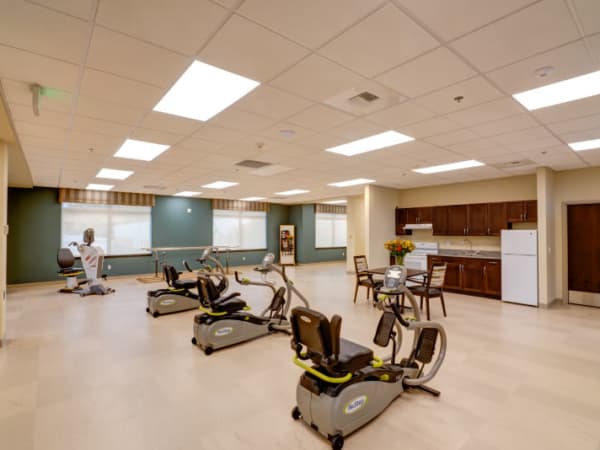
point(543, 72)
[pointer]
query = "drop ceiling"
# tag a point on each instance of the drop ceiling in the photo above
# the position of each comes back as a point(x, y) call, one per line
point(108, 62)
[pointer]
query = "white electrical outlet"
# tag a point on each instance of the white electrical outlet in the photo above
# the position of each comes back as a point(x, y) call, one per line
point(243, 258)
point(109, 267)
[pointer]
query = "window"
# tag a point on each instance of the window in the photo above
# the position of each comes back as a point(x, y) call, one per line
point(330, 230)
point(118, 229)
point(244, 230)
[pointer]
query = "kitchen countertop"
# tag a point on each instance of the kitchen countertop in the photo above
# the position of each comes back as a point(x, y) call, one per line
point(462, 254)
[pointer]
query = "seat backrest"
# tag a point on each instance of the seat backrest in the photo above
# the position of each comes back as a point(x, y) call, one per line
point(171, 274)
point(437, 274)
point(278, 300)
point(65, 258)
point(207, 289)
point(313, 330)
point(360, 263)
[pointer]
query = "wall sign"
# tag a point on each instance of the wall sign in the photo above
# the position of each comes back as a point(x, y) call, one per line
point(287, 245)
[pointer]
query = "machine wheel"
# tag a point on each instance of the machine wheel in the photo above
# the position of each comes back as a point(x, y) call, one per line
point(337, 442)
point(208, 351)
point(155, 314)
point(194, 341)
point(296, 414)
point(148, 310)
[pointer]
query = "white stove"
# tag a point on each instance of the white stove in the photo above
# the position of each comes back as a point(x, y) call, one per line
point(417, 259)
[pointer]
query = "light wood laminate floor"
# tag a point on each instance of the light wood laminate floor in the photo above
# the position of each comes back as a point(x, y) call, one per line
point(99, 373)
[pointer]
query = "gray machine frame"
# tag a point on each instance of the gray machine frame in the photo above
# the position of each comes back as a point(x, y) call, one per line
point(355, 403)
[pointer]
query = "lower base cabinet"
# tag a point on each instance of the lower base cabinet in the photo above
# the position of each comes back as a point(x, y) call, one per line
point(472, 276)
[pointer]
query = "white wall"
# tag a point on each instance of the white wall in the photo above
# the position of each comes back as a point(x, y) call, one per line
point(355, 216)
point(380, 226)
point(3, 227)
point(546, 230)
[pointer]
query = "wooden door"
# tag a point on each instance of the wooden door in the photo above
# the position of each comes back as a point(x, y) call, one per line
point(515, 212)
point(472, 275)
point(400, 222)
point(412, 215)
point(492, 278)
point(452, 280)
point(477, 219)
point(530, 210)
point(584, 247)
point(457, 220)
point(439, 220)
point(496, 218)
point(425, 215)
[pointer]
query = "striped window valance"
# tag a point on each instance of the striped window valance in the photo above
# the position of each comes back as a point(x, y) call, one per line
point(239, 205)
point(67, 195)
point(330, 209)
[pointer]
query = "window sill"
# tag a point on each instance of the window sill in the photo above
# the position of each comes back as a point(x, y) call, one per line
point(329, 248)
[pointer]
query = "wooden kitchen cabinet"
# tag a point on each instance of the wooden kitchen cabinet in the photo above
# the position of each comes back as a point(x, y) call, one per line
point(472, 276)
point(439, 220)
point(477, 219)
point(401, 215)
point(496, 218)
point(418, 215)
point(530, 210)
point(457, 220)
point(521, 211)
point(452, 280)
point(492, 281)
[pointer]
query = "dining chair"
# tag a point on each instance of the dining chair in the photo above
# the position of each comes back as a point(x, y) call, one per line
point(362, 278)
point(432, 287)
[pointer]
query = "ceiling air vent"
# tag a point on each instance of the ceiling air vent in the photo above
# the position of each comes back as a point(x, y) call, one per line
point(363, 99)
point(513, 164)
point(155, 187)
point(252, 164)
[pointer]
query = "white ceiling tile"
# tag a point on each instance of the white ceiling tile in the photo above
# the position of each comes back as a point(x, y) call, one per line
point(166, 122)
point(159, 137)
point(568, 111)
point(44, 143)
point(580, 124)
point(286, 132)
point(42, 31)
point(99, 109)
point(321, 141)
point(486, 112)
point(271, 102)
point(473, 92)
point(219, 134)
point(180, 25)
point(426, 73)
point(514, 123)
point(90, 125)
point(588, 12)
point(429, 127)
point(24, 113)
point(567, 62)
point(26, 67)
point(518, 137)
point(199, 145)
point(248, 49)
point(131, 58)
point(479, 146)
point(540, 27)
point(119, 90)
point(309, 22)
point(320, 118)
point(357, 129)
point(594, 42)
point(365, 48)
point(533, 145)
point(452, 19)
point(77, 8)
point(400, 115)
point(40, 131)
point(453, 137)
point(237, 119)
point(317, 78)
point(83, 141)
point(582, 135)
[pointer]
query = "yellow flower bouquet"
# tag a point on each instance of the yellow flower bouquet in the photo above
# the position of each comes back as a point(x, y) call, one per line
point(399, 248)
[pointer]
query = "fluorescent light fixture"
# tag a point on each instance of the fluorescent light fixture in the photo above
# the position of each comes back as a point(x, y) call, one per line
point(142, 150)
point(220, 185)
point(114, 174)
point(203, 91)
point(292, 192)
point(252, 199)
point(336, 202)
point(187, 194)
point(99, 187)
point(368, 144)
point(561, 92)
point(585, 145)
point(448, 167)
point(354, 182)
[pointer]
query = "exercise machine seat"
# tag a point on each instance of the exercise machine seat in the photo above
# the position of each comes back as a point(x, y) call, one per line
point(211, 295)
point(172, 278)
point(65, 260)
point(324, 346)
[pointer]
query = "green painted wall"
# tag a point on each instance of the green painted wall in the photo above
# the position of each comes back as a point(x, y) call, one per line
point(34, 238)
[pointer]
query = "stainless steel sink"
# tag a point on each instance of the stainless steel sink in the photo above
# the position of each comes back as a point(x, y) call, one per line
point(471, 253)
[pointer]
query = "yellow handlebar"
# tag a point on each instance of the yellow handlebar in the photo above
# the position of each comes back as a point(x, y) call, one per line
point(316, 373)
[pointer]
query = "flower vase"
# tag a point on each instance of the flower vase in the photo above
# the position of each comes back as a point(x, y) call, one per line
point(397, 260)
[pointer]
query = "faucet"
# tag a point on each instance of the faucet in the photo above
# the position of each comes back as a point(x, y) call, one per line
point(468, 241)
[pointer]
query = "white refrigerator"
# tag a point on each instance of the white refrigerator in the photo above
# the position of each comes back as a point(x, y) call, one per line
point(519, 266)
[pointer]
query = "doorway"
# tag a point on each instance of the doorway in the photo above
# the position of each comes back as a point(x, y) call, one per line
point(583, 234)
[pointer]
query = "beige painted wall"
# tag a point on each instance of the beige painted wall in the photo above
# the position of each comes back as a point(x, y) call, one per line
point(380, 205)
point(570, 187)
point(496, 190)
point(355, 217)
point(546, 231)
point(3, 227)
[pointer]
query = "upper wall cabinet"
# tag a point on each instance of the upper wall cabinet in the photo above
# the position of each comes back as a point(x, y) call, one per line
point(418, 215)
point(401, 216)
point(522, 211)
point(497, 219)
point(439, 220)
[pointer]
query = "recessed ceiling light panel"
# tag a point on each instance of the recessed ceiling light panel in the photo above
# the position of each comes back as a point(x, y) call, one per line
point(354, 182)
point(371, 143)
point(336, 202)
point(449, 167)
point(220, 185)
point(114, 174)
point(99, 187)
point(203, 91)
point(252, 199)
point(187, 194)
point(140, 150)
point(585, 145)
point(292, 192)
point(561, 92)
